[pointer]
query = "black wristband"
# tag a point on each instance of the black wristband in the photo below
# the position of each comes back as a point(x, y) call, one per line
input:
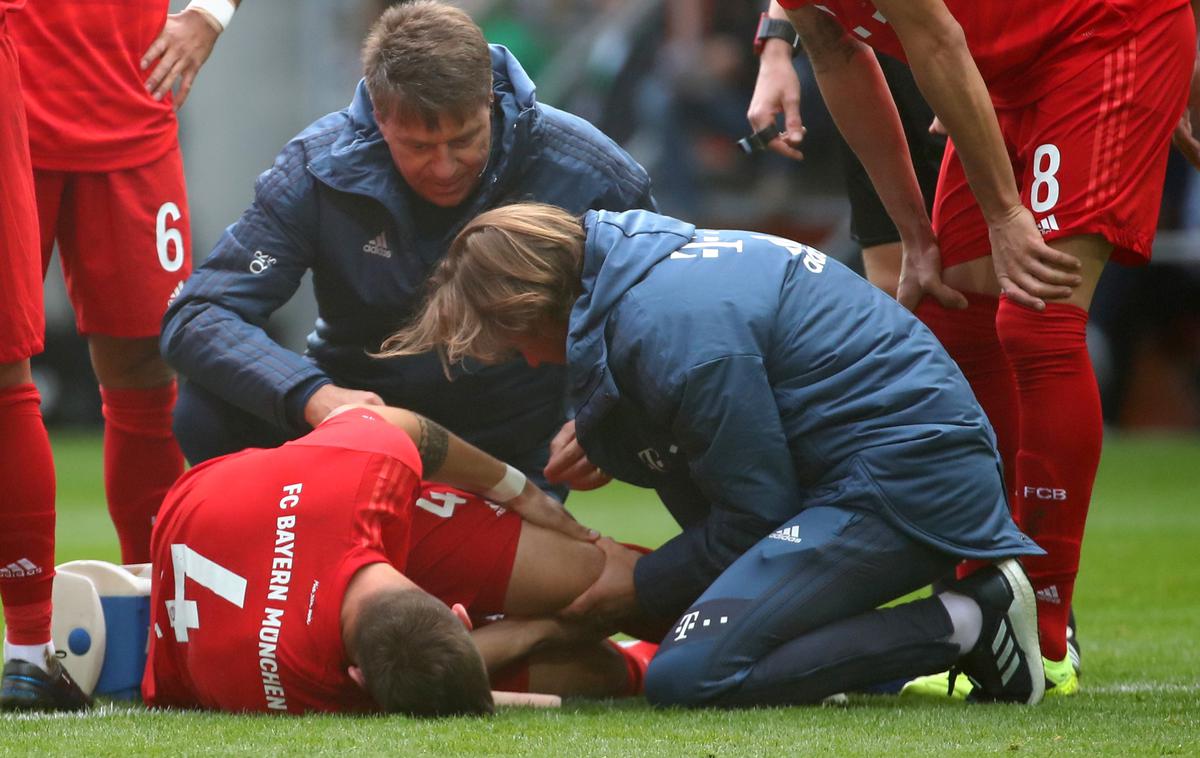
point(775, 28)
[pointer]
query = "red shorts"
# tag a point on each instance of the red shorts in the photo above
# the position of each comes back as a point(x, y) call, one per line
point(125, 241)
point(1091, 156)
point(22, 316)
point(462, 549)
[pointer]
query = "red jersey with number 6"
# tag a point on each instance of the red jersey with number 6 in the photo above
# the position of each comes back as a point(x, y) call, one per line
point(252, 553)
point(84, 88)
point(1023, 48)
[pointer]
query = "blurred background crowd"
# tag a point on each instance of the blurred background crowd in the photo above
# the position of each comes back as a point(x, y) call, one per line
point(670, 80)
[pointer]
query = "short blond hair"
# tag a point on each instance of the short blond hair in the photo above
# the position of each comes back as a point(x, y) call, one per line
point(425, 60)
point(508, 273)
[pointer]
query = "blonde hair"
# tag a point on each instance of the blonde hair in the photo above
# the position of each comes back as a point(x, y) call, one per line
point(423, 60)
point(508, 273)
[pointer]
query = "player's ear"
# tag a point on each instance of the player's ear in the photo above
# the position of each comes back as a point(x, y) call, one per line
point(357, 675)
point(458, 610)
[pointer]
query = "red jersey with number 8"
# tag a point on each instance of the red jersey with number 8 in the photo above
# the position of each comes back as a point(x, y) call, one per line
point(1023, 48)
point(252, 553)
point(84, 88)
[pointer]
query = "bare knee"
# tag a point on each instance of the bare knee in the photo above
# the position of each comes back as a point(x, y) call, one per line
point(122, 363)
point(15, 373)
point(549, 571)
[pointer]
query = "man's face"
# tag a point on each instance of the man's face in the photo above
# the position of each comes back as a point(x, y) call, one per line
point(443, 164)
point(548, 345)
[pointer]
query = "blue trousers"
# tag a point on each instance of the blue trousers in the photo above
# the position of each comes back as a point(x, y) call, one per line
point(795, 618)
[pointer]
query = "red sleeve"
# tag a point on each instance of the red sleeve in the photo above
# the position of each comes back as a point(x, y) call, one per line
point(792, 5)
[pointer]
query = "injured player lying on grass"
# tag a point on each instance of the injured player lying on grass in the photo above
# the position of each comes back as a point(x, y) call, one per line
point(319, 576)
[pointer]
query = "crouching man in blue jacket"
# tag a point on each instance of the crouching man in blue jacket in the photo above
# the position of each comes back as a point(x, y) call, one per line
point(820, 450)
point(442, 127)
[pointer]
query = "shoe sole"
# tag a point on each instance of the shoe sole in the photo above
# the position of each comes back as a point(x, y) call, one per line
point(1024, 625)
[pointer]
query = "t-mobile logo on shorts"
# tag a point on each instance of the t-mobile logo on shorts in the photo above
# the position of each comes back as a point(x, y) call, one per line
point(690, 620)
point(652, 459)
point(1046, 493)
point(686, 624)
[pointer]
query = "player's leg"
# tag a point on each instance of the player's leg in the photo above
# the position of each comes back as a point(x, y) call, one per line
point(469, 551)
point(602, 669)
point(32, 677)
point(466, 550)
point(969, 335)
point(549, 572)
point(784, 589)
point(124, 240)
point(794, 622)
point(141, 458)
point(1094, 173)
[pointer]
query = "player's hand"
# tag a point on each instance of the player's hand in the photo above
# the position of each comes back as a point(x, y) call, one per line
point(540, 509)
point(776, 91)
point(569, 464)
point(181, 48)
point(1029, 270)
point(612, 598)
point(331, 396)
point(1185, 137)
point(921, 275)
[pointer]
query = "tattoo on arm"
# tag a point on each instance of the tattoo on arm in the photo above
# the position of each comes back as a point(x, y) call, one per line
point(433, 445)
point(826, 42)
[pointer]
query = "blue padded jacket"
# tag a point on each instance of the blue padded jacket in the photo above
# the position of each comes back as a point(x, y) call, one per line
point(746, 377)
point(334, 204)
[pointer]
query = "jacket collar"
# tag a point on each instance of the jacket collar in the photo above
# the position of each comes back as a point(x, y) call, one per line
point(619, 250)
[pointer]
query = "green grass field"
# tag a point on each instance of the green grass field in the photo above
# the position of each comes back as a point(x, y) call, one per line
point(1138, 605)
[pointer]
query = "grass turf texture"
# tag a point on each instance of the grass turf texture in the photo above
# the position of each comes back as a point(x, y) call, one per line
point(1138, 604)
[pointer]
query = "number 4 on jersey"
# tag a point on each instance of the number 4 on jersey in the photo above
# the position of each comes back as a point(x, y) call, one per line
point(444, 508)
point(188, 564)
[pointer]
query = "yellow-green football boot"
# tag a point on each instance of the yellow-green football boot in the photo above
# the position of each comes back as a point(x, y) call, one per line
point(1061, 679)
point(938, 686)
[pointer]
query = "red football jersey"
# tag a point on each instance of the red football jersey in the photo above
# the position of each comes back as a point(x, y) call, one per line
point(1023, 48)
point(252, 555)
point(11, 5)
point(84, 88)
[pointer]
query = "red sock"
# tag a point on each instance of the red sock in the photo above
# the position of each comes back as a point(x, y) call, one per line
point(970, 337)
point(1061, 433)
point(141, 462)
point(26, 516)
point(637, 655)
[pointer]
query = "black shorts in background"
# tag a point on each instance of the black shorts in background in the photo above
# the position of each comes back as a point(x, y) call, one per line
point(870, 224)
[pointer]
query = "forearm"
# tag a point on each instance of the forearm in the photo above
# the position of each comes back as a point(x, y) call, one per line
point(509, 640)
point(445, 457)
point(236, 360)
point(858, 98)
point(941, 63)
